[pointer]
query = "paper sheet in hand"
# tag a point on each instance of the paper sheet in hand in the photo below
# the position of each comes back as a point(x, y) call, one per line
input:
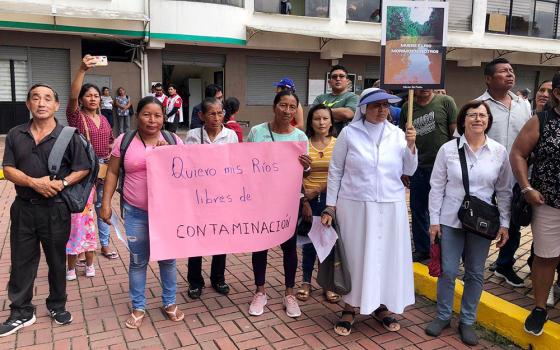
point(322, 237)
point(115, 223)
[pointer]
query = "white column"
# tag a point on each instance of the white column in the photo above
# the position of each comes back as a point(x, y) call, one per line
point(479, 17)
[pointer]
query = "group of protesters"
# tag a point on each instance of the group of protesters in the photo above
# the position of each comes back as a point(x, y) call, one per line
point(355, 173)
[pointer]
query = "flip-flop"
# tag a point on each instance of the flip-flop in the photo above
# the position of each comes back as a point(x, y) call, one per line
point(175, 315)
point(110, 255)
point(332, 297)
point(134, 321)
point(386, 321)
point(346, 325)
point(302, 293)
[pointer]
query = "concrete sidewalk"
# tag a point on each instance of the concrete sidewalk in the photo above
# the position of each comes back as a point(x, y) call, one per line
point(100, 305)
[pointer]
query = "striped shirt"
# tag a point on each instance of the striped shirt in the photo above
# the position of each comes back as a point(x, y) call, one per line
point(320, 159)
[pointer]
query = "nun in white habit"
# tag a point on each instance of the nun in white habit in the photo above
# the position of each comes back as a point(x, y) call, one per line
point(367, 196)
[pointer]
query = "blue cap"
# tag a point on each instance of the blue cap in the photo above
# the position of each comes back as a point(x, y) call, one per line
point(377, 95)
point(286, 83)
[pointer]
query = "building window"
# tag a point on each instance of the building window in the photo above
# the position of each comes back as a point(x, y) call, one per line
point(460, 12)
point(536, 18)
point(13, 81)
point(309, 8)
point(364, 10)
point(237, 3)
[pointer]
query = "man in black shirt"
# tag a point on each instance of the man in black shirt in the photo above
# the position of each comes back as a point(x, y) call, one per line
point(39, 215)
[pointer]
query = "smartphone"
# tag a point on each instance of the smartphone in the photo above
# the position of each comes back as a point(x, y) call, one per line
point(101, 61)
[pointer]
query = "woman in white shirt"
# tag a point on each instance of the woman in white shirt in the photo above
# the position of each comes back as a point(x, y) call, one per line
point(489, 172)
point(107, 104)
point(212, 132)
point(365, 191)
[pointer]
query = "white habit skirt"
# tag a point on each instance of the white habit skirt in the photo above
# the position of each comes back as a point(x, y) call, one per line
point(376, 239)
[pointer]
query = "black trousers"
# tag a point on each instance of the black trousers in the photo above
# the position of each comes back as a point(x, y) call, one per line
point(48, 225)
point(217, 271)
point(260, 261)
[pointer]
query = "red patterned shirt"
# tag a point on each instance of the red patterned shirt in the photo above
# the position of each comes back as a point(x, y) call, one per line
point(100, 137)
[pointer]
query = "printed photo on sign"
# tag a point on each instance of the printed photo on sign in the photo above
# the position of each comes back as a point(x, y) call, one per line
point(414, 39)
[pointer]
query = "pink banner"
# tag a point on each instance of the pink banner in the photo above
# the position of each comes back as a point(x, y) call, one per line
point(216, 199)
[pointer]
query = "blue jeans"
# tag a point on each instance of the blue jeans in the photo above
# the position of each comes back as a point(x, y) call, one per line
point(506, 256)
point(136, 226)
point(419, 194)
point(453, 243)
point(102, 227)
point(309, 255)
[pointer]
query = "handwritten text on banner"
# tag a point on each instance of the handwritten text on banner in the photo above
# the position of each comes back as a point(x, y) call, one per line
point(216, 199)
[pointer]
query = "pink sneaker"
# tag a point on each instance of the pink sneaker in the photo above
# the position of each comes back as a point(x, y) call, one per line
point(291, 306)
point(90, 271)
point(71, 275)
point(257, 305)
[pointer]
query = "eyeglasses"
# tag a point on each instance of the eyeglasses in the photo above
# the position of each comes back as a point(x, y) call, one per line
point(479, 115)
point(338, 76)
point(285, 106)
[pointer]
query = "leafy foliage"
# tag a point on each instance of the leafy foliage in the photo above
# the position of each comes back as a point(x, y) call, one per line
point(399, 24)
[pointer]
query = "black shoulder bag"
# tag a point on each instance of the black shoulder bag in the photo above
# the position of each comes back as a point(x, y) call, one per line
point(476, 215)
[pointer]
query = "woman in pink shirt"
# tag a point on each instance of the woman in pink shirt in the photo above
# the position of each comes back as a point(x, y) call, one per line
point(150, 116)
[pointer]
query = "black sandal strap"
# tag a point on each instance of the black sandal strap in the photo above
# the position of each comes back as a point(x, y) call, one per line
point(347, 325)
point(388, 321)
point(380, 309)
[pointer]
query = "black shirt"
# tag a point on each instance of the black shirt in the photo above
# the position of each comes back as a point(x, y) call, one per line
point(22, 153)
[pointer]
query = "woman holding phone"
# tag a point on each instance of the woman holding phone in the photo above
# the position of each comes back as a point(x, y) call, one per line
point(83, 113)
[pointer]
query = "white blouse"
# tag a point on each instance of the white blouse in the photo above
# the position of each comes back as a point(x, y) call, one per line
point(367, 163)
point(489, 173)
point(225, 136)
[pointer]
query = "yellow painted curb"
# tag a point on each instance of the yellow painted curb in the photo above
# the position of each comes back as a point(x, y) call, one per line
point(494, 313)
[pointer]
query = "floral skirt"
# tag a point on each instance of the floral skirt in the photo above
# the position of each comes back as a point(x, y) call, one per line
point(83, 236)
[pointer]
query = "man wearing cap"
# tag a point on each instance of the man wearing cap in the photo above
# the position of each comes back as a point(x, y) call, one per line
point(434, 118)
point(288, 84)
point(510, 113)
point(211, 90)
point(342, 102)
point(39, 216)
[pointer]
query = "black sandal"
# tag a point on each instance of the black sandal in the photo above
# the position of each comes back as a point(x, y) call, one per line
point(386, 321)
point(347, 325)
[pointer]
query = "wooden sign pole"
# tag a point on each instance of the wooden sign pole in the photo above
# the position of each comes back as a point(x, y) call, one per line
point(410, 106)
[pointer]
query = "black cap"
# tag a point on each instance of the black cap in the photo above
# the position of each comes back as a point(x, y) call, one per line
point(556, 80)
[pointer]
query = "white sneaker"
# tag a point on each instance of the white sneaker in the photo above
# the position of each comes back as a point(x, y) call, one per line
point(550, 300)
point(90, 271)
point(257, 305)
point(71, 275)
point(291, 306)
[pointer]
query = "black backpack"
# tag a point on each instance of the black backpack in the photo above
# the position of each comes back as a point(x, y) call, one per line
point(125, 142)
point(77, 195)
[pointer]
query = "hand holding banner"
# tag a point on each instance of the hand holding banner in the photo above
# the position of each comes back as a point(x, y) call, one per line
point(217, 199)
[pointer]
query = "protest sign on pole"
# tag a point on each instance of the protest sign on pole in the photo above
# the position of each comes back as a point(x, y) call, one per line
point(217, 199)
point(413, 45)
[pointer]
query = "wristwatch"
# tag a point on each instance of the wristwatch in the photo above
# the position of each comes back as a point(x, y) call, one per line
point(64, 183)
